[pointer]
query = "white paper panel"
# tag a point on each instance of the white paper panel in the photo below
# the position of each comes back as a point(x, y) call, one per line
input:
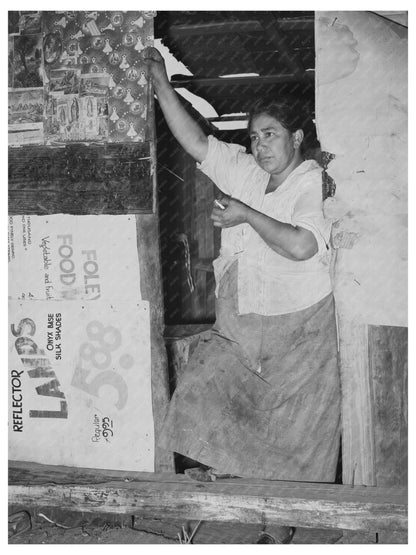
point(73, 257)
point(80, 384)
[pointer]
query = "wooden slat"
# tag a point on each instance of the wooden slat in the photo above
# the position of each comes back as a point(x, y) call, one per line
point(180, 350)
point(184, 330)
point(184, 81)
point(373, 363)
point(358, 456)
point(227, 27)
point(235, 500)
point(148, 247)
point(388, 370)
point(202, 238)
point(80, 179)
point(228, 118)
point(151, 286)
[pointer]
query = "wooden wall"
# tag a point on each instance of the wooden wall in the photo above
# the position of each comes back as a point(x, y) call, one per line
point(115, 177)
point(149, 257)
point(80, 179)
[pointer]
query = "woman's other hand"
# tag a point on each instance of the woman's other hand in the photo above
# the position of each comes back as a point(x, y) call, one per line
point(234, 213)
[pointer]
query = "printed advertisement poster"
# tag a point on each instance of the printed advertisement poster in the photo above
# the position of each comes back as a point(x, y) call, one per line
point(66, 257)
point(25, 116)
point(80, 384)
point(27, 61)
point(76, 108)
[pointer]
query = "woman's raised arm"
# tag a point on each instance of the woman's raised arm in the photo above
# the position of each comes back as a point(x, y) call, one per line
point(185, 129)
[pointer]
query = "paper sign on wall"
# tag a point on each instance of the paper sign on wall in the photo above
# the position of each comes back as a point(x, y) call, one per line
point(73, 257)
point(80, 384)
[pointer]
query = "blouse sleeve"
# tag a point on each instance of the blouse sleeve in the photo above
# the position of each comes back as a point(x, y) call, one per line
point(308, 213)
point(228, 165)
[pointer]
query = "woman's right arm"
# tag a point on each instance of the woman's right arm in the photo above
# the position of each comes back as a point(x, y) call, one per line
point(185, 129)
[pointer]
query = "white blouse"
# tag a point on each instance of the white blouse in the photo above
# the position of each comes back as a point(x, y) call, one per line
point(268, 283)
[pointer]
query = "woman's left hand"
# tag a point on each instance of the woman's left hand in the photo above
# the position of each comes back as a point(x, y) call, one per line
point(235, 213)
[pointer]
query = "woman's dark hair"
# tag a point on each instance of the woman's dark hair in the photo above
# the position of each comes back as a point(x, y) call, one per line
point(292, 114)
point(287, 111)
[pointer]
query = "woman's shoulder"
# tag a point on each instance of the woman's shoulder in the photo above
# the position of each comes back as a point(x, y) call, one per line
point(234, 151)
point(308, 175)
point(310, 168)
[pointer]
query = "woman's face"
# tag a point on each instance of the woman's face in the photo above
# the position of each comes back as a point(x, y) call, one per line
point(272, 144)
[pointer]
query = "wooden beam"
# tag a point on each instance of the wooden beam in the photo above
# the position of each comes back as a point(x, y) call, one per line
point(235, 500)
point(227, 27)
point(228, 118)
point(285, 54)
point(223, 28)
point(298, 24)
point(185, 81)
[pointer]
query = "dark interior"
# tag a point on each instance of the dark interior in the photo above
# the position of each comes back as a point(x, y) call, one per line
point(279, 47)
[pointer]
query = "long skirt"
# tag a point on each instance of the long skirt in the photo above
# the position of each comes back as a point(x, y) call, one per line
point(261, 397)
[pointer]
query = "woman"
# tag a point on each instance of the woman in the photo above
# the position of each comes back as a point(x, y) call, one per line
point(261, 398)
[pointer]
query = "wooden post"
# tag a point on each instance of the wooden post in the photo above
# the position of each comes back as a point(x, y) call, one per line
point(148, 246)
point(151, 285)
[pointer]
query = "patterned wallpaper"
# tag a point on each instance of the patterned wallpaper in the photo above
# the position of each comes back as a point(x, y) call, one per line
point(78, 76)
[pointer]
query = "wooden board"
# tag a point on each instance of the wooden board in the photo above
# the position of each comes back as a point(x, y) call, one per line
point(148, 246)
point(80, 179)
point(181, 342)
point(202, 234)
point(52, 182)
point(358, 456)
point(234, 500)
point(373, 361)
point(387, 350)
point(151, 287)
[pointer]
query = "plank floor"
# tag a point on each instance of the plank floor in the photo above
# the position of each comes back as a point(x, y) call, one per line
point(74, 528)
